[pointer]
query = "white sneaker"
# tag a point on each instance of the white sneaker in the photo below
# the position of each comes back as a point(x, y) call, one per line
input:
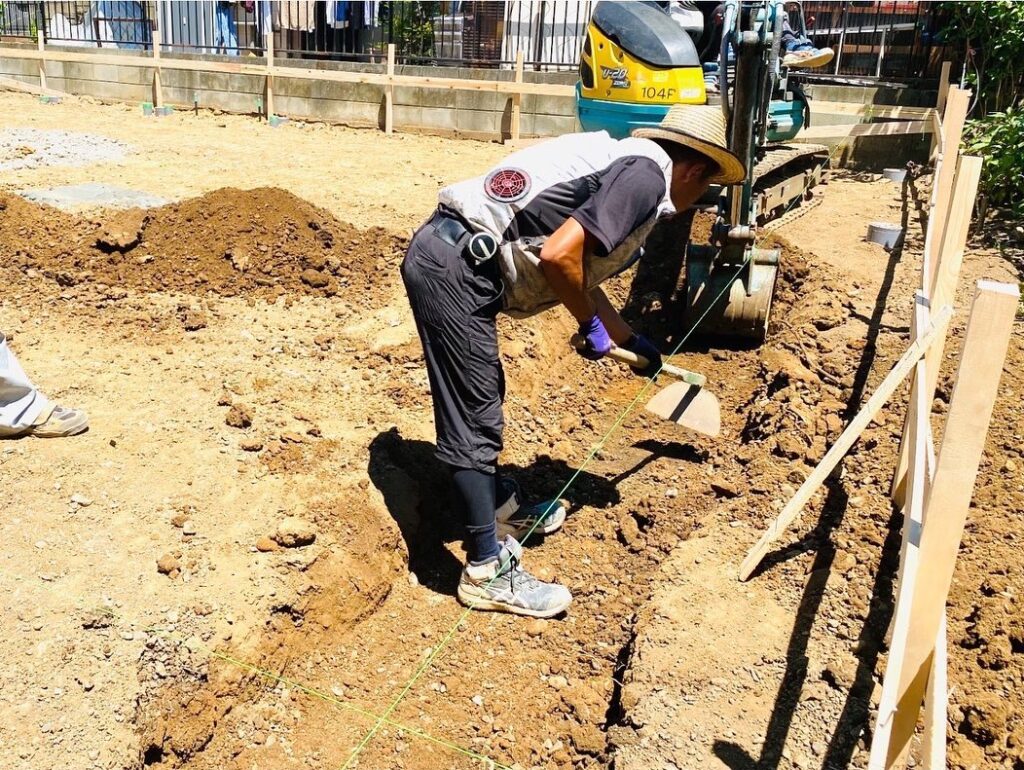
point(59, 422)
point(519, 521)
point(502, 585)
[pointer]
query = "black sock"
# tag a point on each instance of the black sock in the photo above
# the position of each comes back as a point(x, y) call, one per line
point(478, 492)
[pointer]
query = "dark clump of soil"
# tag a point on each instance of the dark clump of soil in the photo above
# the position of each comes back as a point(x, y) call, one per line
point(264, 241)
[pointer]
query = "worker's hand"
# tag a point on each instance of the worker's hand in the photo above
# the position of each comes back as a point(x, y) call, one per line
point(596, 340)
point(642, 346)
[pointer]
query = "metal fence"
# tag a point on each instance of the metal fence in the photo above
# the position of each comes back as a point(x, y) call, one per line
point(891, 40)
point(885, 39)
point(475, 34)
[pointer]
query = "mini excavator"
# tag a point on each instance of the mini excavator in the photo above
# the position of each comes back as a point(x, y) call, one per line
point(638, 60)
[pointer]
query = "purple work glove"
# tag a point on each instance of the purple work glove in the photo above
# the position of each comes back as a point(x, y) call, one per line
point(598, 343)
point(642, 346)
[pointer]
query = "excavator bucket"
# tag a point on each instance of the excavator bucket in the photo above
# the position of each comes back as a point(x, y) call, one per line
point(730, 300)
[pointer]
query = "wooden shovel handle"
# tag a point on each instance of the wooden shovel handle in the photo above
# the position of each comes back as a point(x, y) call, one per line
point(631, 358)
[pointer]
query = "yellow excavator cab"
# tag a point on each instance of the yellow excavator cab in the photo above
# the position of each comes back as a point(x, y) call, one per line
point(636, 62)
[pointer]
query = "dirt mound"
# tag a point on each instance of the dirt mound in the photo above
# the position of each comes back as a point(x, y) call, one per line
point(264, 241)
point(31, 233)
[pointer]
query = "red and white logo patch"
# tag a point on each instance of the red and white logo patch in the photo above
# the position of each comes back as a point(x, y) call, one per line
point(507, 184)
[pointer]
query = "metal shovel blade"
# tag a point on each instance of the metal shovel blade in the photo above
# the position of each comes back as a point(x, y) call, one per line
point(688, 405)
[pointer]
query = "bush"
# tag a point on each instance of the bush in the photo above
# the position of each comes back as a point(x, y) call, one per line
point(999, 139)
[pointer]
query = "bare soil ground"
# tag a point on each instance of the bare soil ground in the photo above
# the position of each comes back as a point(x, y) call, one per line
point(247, 358)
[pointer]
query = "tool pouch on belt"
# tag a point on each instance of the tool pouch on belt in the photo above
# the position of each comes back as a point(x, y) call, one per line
point(477, 248)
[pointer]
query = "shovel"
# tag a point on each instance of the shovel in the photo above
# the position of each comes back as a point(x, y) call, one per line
point(685, 402)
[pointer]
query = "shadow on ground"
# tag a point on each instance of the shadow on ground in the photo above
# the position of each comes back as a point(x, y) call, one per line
point(418, 493)
point(853, 722)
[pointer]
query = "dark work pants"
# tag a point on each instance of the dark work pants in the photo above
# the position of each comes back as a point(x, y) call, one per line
point(455, 304)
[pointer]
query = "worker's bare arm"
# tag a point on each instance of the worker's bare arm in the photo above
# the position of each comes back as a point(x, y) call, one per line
point(561, 260)
point(618, 329)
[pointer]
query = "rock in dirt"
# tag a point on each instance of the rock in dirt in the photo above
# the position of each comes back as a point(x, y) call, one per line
point(239, 258)
point(294, 532)
point(629, 531)
point(121, 235)
point(787, 365)
point(588, 739)
point(251, 445)
point(536, 627)
point(265, 544)
point(193, 320)
point(314, 278)
point(558, 682)
point(723, 487)
point(239, 416)
point(167, 564)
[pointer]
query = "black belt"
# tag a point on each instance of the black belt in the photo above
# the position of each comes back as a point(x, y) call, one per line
point(450, 228)
point(476, 247)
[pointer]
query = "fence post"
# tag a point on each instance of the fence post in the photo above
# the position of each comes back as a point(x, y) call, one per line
point(842, 37)
point(517, 98)
point(940, 103)
point(42, 61)
point(389, 93)
point(158, 95)
point(963, 440)
point(268, 50)
point(881, 56)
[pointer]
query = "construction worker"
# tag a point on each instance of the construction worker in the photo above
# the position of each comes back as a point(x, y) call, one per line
point(24, 411)
point(544, 227)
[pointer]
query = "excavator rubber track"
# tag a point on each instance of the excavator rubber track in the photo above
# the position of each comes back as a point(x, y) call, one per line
point(785, 176)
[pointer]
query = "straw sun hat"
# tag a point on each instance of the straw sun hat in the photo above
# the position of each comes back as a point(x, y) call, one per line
point(701, 128)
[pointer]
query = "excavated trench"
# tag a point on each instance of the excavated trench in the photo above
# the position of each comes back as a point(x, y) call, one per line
point(557, 698)
point(342, 642)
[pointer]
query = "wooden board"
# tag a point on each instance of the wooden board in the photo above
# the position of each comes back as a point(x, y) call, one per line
point(389, 93)
point(517, 99)
point(16, 85)
point(894, 128)
point(933, 742)
point(870, 110)
point(42, 61)
point(842, 445)
point(942, 290)
point(337, 76)
point(940, 102)
point(970, 410)
point(952, 132)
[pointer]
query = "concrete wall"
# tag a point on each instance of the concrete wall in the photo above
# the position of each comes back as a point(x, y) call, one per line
point(464, 113)
point(871, 153)
point(460, 113)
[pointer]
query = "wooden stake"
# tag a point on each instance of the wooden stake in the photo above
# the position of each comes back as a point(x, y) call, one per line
point(389, 93)
point(952, 132)
point(846, 440)
point(42, 61)
point(933, 744)
point(940, 103)
point(970, 411)
point(517, 98)
point(158, 95)
point(909, 560)
point(942, 291)
point(268, 50)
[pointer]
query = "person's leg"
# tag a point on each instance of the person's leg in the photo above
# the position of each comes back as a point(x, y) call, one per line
point(455, 317)
point(799, 51)
point(455, 306)
point(478, 493)
point(20, 403)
